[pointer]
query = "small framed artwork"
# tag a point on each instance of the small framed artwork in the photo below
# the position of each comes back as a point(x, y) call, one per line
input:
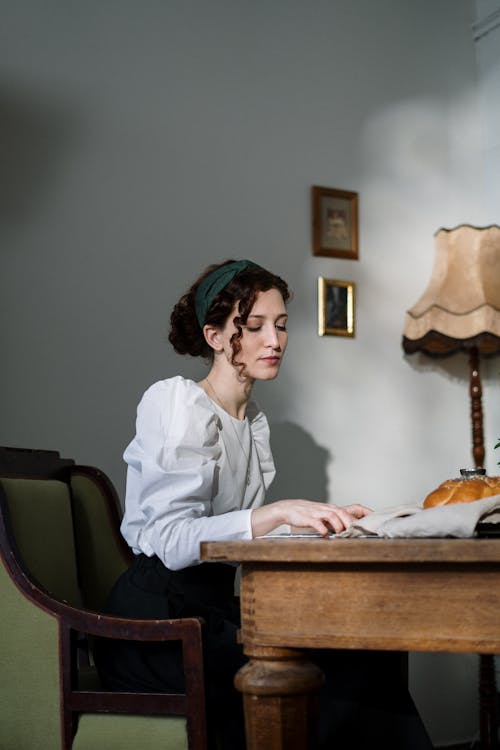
point(336, 307)
point(335, 223)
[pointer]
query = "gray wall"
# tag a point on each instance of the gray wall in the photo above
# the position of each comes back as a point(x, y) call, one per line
point(141, 141)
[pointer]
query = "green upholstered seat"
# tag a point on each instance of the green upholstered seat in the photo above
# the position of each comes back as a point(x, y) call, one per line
point(116, 732)
point(55, 534)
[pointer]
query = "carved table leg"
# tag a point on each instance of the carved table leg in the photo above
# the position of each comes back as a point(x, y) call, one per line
point(279, 689)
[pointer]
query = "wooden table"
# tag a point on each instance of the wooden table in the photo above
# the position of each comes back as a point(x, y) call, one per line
point(401, 595)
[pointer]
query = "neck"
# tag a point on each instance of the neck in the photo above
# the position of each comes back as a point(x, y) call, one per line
point(228, 390)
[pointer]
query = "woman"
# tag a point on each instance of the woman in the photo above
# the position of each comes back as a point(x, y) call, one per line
point(198, 469)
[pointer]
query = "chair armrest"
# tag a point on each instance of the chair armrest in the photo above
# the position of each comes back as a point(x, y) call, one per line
point(109, 626)
point(98, 624)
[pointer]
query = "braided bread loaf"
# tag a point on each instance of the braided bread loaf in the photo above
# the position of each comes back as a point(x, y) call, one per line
point(462, 490)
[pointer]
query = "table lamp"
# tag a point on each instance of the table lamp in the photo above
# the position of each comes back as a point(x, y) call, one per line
point(460, 311)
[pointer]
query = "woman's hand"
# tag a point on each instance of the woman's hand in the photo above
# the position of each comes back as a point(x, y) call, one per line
point(322, 517)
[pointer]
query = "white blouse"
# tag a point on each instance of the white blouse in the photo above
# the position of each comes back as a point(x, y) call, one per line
point(194, 473)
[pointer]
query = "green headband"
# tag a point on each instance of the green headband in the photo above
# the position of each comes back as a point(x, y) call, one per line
point(214, 283)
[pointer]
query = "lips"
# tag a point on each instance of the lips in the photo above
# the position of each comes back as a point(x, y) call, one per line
point(270, 360)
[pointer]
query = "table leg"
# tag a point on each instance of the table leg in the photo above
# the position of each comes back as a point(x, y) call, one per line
point(279, 689)
point(488, 718)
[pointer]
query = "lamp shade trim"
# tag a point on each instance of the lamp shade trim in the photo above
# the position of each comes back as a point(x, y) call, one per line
point(435, 344)
point(470, 226)
point(444, 309)
point(484, 319)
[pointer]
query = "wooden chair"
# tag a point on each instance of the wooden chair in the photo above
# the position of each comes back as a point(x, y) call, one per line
point(60, 551)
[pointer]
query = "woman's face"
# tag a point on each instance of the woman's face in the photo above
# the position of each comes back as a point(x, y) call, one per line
point(264, 336)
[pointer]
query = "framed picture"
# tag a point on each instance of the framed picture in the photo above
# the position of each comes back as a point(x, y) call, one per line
point(336, 307)
point(335, 223)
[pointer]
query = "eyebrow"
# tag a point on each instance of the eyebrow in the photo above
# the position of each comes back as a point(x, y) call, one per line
point(255, 315)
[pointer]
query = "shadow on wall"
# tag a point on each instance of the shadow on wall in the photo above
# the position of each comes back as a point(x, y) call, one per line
point(301, 464)
point(454, 367)
point(33, 134)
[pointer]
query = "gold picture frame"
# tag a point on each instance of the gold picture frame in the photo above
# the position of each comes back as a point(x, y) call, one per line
point(335, 223)
point(336, 307)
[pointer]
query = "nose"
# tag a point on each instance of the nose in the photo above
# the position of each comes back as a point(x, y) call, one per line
point(272, 338)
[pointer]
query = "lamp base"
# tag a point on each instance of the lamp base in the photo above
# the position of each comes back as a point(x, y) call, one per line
point(476, 409)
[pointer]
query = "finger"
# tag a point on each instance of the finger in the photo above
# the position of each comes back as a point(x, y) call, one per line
point(319, 526)
point(357, 510)
point(336, 525)
point(338, 522)
point(346, 518)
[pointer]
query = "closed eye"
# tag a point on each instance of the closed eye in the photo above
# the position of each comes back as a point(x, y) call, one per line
point(255, 329)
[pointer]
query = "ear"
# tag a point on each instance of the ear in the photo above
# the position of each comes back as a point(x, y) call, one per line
point(213, 338)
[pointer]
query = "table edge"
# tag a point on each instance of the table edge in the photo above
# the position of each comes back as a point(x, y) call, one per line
point(346, 550)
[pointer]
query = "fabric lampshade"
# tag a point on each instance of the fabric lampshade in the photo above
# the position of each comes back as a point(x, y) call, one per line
point(460, 309)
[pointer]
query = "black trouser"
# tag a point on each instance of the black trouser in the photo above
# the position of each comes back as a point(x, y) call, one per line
point(364, 701)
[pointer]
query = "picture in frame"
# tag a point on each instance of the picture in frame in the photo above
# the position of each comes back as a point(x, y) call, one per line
point(336, 301)
point(335, 223)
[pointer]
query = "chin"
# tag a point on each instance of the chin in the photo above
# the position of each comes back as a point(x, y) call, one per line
point(268, 373)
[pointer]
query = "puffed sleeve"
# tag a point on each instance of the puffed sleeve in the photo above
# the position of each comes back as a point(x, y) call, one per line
point(172, 477)
point(261, 436)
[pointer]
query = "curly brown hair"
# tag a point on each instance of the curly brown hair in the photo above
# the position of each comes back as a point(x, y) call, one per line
point(186, 335)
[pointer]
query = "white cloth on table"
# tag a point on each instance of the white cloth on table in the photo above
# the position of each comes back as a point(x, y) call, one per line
point(453, 520)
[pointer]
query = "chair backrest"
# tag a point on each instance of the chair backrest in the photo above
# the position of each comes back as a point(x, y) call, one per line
point(76, 507)
point(33, 462)
point(102, 553)
point(42, 524)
